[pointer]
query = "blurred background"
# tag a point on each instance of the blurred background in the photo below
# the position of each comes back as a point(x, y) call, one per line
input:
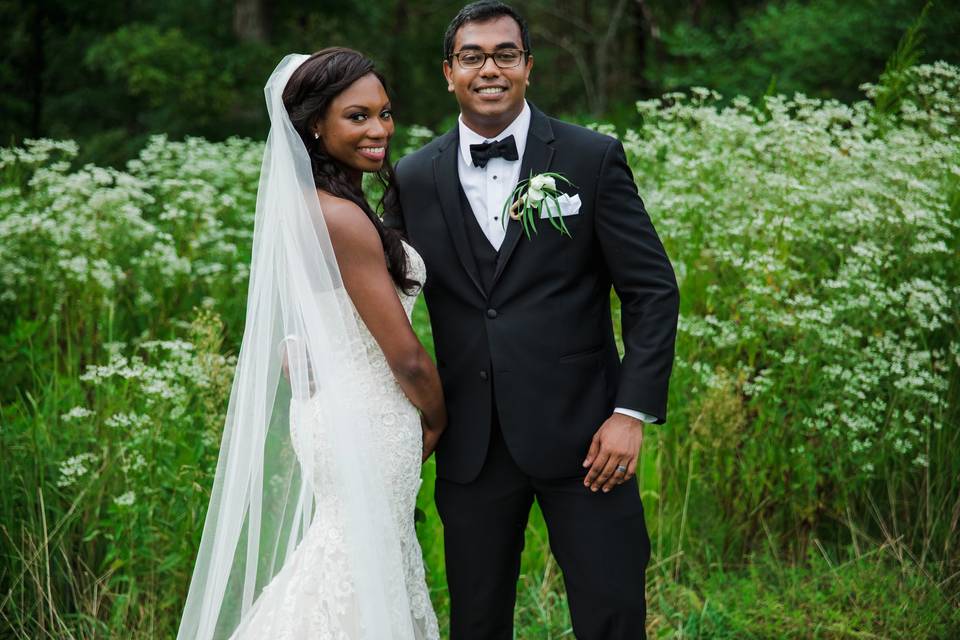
point(800, 160)
point(107, 73)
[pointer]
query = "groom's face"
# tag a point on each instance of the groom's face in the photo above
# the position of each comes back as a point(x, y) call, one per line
point(489, 97)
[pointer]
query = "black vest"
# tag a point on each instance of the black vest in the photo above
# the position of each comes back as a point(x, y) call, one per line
point(483, 252)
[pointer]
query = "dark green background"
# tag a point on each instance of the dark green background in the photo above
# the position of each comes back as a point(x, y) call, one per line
point(110, 72)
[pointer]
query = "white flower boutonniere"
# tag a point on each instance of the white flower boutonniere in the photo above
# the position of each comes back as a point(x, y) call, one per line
point(536, 192)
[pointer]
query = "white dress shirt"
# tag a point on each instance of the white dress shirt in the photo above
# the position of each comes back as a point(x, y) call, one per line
point(487, 189)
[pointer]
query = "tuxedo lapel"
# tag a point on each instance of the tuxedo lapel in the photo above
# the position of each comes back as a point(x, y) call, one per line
point(536, 159)
point(448, 189)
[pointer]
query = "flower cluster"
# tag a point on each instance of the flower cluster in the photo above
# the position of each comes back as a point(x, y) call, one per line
point(85, 247)
point(75, 467)
point(530, 196)
point(153, 421)
point(816, 253)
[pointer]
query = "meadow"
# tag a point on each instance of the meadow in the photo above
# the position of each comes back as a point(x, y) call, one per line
point(806, 485)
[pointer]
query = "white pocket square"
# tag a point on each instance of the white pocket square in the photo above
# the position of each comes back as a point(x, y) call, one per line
point(569, 206)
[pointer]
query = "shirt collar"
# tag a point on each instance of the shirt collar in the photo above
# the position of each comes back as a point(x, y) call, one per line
point(518, 129)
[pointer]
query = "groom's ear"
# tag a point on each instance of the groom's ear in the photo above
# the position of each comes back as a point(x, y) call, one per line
point(448, 74)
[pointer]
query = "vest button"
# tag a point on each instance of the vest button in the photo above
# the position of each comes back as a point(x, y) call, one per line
point(483, 375)
point(491, 313)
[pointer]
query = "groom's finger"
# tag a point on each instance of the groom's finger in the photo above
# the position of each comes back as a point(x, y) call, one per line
point(594, 450)
point(608, 476)
point(596, 469)
point(617, 477)
point(631, 469)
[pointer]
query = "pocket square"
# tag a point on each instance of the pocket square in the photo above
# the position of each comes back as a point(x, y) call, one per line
point(569, 206)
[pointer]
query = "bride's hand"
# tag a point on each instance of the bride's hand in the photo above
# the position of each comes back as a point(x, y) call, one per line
point(285, 364)
point(430, 439)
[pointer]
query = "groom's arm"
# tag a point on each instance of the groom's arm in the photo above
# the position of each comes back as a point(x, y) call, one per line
point(645, 283)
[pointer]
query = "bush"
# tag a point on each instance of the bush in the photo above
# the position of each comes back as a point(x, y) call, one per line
point(819, 348)
point(92, 255)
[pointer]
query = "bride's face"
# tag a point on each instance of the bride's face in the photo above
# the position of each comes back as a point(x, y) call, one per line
point(358, 125)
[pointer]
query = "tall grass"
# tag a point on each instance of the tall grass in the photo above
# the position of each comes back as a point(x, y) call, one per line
point(806, 485)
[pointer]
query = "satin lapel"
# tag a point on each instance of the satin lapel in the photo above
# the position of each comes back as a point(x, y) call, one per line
point(448, 189)
point(536, 158)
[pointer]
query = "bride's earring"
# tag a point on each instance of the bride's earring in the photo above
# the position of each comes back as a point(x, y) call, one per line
point(316, 135)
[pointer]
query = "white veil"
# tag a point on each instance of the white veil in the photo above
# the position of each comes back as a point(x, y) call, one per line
point(264, 499)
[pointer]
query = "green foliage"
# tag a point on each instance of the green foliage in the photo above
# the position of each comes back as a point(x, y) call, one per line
point(822, 47)
point(164, 69)
point(863, 597)
point(893, 80)
point(818, 282)
point(99, 254)
point(123, 477)
point(109, 73)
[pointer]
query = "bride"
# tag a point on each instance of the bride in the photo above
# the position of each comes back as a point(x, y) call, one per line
point(335, 403)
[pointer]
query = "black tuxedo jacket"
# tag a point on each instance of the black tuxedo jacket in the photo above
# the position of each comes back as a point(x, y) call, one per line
point(537, 345)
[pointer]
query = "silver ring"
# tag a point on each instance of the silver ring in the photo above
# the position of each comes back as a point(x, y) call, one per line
point(621, 468)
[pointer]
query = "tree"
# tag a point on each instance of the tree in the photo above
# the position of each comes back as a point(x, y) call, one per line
point(250, 21)
point(589, 38)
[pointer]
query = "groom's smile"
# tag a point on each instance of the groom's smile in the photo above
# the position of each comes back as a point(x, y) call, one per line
point(492, 94)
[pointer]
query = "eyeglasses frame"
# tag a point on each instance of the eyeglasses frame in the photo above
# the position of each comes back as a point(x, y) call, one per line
point(524, 53)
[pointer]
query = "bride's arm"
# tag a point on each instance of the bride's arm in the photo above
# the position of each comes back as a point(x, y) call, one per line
point(370, 287)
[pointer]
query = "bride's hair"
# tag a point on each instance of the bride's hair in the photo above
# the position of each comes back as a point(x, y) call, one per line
point(307, 96)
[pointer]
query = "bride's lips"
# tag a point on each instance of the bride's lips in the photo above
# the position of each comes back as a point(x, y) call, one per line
point(373, 153)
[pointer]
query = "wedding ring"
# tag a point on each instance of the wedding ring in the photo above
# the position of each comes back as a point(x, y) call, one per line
point(621, 468)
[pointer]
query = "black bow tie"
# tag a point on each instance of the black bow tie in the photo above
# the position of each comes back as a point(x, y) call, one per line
point(506, 149)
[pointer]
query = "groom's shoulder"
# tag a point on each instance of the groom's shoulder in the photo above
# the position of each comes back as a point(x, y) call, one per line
point(421, 159)
point(425, 153)
point(579, 135)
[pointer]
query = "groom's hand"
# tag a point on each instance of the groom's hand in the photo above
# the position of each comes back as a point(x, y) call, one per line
point(616, 444)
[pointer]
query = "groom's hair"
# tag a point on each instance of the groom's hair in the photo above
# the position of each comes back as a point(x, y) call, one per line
point(482, 11)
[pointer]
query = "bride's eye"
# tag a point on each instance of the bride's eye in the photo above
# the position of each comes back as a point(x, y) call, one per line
point(386, 114)
point(358, 117)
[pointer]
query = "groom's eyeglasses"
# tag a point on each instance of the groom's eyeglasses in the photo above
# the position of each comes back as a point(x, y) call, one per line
point(503, 58)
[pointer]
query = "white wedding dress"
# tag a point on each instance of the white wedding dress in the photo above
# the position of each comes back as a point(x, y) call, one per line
point(311, 598)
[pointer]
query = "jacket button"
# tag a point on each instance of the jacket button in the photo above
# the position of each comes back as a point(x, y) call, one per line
point(491, 313)
point(483, 375)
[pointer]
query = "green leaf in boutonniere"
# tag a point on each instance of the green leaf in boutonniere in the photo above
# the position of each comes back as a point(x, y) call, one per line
point(530, 195)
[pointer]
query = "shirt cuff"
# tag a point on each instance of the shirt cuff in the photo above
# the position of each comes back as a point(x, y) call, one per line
point(639, 415)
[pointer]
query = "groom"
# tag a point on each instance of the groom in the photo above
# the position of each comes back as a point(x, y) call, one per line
point(540, 405)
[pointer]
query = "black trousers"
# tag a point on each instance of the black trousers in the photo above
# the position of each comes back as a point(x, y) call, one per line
point(599, 540)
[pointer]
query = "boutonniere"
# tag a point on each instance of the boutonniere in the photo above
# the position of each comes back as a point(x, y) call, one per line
point(533, 194)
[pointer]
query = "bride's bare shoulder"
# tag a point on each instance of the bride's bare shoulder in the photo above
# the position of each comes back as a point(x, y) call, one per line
point(348, 226)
